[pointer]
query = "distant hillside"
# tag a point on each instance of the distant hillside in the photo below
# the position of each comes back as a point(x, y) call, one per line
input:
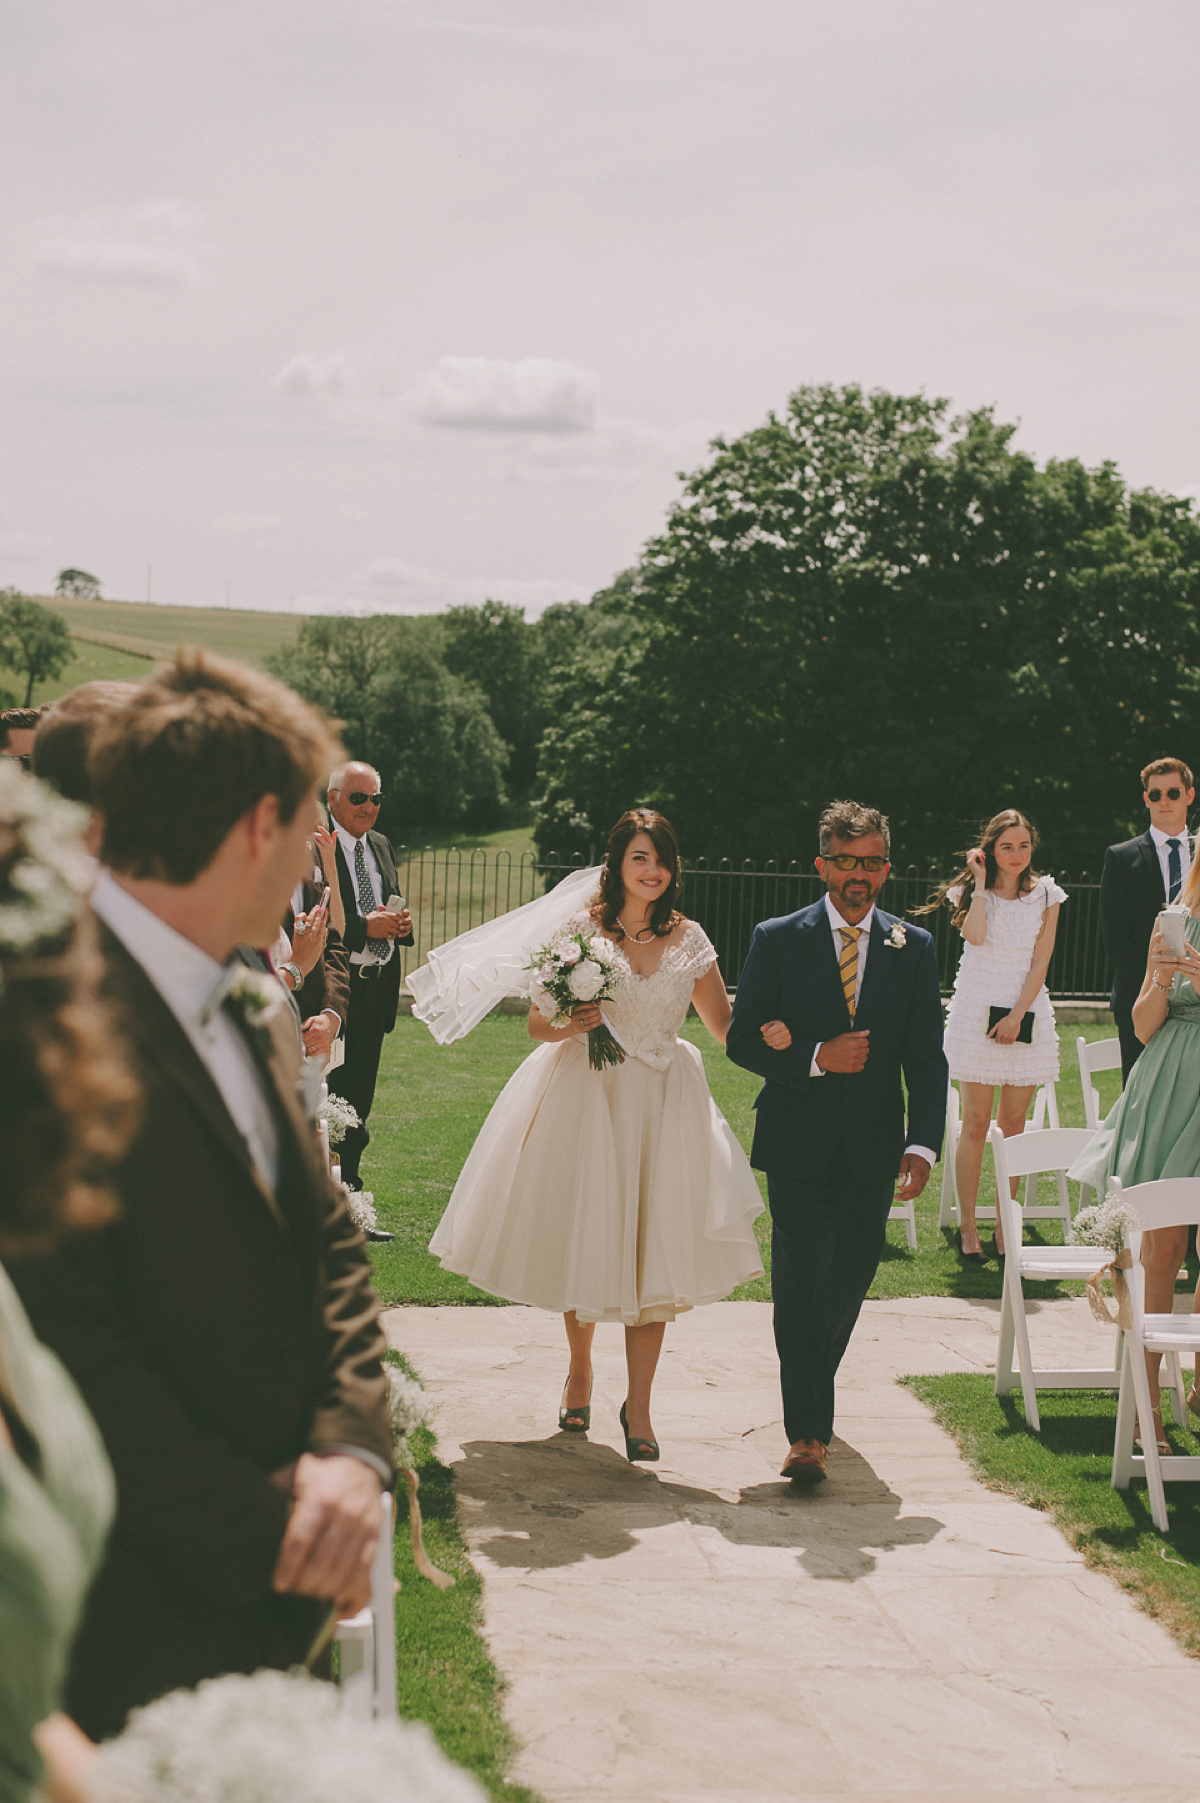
point(143, 630)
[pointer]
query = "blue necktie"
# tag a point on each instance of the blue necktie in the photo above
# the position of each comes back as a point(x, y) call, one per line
point(1175, 870)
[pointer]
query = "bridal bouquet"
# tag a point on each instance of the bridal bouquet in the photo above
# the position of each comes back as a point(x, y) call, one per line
point(573, 968)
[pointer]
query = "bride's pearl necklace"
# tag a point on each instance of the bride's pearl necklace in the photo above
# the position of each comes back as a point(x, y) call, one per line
point(642, 938)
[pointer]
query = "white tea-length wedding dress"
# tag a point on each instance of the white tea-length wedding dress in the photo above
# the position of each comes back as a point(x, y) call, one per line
point(620, 1193)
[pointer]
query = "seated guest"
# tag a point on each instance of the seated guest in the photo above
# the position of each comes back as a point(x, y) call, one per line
point(67, 1104)
point(223, 1328)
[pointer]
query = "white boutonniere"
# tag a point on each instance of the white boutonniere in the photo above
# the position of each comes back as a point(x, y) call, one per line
point(257, 996)
point(898, 937)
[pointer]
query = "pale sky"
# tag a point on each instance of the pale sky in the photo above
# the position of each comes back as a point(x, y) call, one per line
point(325, 304)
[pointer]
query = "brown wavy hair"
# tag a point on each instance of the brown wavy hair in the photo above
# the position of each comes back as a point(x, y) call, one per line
point(68, 1101)
point(964, 879)
point(610, 897)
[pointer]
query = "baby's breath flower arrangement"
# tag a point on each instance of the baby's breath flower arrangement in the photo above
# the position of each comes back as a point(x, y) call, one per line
point(50, 873)
point(579, 967)
point(408, 1409)
point(362, 1209)
point(337, 1116)
point(1105, 1224)
point(273, 1737)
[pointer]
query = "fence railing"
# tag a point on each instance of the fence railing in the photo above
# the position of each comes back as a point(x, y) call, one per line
point(449, 892)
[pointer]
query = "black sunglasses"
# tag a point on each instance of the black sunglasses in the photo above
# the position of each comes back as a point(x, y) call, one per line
point(356, 798)
point(1157, 794)
point(844, 861)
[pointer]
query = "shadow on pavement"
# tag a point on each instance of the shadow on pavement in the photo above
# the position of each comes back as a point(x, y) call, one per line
point(541, 1505)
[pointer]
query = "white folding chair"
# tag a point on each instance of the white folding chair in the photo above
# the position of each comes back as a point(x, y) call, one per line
point(1052, 1149)
point(1171, 1202)
point(1100, 1055)
point(367, 1641)
point(1045, 1115)
point(948, 1211)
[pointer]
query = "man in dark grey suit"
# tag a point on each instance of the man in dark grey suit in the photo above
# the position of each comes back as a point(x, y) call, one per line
point(1140, 877)
point(367, 876)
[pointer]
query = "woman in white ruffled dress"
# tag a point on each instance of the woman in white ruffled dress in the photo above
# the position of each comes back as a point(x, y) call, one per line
point(618, 1194)
point(1008, 917)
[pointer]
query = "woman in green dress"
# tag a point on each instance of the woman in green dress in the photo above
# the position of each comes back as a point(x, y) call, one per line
point(66, 1106)
point(1154, 1129)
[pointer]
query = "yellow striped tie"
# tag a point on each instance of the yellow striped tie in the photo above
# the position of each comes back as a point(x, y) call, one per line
point(848, 964)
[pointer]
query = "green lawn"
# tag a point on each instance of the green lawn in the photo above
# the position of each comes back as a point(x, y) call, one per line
point(433, 1099)
point(91, 663)
point(151, 631)
point(444, 1672)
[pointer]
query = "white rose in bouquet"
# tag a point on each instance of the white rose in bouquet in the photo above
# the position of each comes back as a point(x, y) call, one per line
point(587, 980)
point(542, 999)
point(570, 953)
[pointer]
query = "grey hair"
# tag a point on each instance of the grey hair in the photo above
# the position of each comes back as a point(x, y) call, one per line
point(337, 777)
point(850, 820)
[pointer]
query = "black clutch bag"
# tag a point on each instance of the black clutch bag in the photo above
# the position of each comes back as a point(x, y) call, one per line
point(1024, 1031)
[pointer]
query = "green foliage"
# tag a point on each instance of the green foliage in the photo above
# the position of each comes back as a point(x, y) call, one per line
point(424, 729)
point(494, 648)
point(34, 641)
point(859, 598)
point(79, 584)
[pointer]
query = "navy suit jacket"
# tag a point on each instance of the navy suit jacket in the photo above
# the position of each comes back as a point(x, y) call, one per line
point(356, 926)
point(791, 974)
point(1131, 895)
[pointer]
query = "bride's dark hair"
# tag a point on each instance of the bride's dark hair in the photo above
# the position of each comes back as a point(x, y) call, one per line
point(610, 897)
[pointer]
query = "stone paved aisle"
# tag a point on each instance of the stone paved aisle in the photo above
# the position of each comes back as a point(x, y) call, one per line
point(695, 1631)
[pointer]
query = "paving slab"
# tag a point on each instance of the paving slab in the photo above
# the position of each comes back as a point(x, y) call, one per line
point(697, 1632)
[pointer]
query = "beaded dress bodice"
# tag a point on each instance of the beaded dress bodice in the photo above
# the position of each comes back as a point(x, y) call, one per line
point(647, 1012)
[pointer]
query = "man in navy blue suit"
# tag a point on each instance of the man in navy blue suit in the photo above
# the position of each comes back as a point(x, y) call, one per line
point(835, 1006)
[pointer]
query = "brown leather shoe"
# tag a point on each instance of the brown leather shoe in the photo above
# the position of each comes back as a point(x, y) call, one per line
point(805, 1463)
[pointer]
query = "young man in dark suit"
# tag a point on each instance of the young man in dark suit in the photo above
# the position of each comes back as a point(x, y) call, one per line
point(838, 1007)
point(223, 1330)
point(367, 875)
point(1140, 877)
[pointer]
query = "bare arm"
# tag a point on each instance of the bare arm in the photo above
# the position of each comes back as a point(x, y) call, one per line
point(583, 1018)
point(1150, 1009)
point(974, 927)
point(68, 1753)
point(711, 1001)
point(327, 851)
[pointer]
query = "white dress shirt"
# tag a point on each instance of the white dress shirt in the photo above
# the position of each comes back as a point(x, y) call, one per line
point(349, 845)
point(836, 923)
point(1162, 846)
point(186, 978)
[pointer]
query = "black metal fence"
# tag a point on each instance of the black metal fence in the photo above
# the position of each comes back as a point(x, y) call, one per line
point(452, 891)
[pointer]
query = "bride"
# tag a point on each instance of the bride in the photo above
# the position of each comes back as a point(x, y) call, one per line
point(617, 1194)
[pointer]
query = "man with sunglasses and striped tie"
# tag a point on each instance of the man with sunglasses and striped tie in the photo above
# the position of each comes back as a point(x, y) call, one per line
point(839, 1008)
point(366, 866)
point(1140, 877)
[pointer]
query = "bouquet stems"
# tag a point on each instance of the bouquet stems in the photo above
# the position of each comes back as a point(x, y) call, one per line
point(603, 1049)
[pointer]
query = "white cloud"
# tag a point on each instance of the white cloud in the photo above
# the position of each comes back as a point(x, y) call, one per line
point(617, 451)
point(390, 585)
point(492, 394)
point(308, 375)
point(157, 245)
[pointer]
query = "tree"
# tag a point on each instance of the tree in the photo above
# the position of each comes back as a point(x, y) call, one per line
point(34, 641)
point(424, 729)
point(861, 598)
point(78, 585)
point(492, 646)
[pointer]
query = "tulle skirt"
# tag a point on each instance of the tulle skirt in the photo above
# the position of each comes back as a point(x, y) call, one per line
point(622, 1194)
